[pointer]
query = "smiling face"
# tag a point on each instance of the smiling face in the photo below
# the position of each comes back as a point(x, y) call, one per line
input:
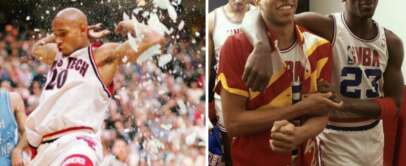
point(70, 30)
point(278, 12)
point(361, 8)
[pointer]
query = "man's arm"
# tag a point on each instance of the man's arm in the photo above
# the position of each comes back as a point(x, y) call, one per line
point(321, 25)
point(110, 55)
point(240, 121)
point(257, 71)
point(393, 82)
point(124, 50)
point(19, 113)
point(211, 44)
point(393, 77)
point(45, 49)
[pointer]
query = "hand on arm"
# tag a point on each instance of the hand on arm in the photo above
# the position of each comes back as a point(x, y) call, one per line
point(285, 136)
point(258, 68)
point(240, 121)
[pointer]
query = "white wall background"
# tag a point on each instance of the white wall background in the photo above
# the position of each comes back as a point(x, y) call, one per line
point(388, 14)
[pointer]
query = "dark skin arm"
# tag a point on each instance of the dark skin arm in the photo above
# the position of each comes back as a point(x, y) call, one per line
point(258, 72)
point(392, 77)
point(240, 121)
point(317, 23)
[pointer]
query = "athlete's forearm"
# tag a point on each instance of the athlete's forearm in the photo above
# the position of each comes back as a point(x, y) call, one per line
point(42, 51)
point(245, 122)
point(252, 26)
point(126, 53)
point(313, 126)
point(367, 108)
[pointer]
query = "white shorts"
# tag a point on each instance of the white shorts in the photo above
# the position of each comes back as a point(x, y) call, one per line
point(340, 147)
point(219, 113)
point(76, 148)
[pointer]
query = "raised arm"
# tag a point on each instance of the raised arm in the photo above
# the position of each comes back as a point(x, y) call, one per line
point(110, 55)
point(149, 38)
point(19, 113)
point(45, 49)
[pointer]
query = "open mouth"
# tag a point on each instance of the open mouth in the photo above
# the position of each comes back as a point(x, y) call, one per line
point(285, 7)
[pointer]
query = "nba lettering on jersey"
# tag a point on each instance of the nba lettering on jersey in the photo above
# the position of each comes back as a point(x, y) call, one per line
point(233, 31)
point(362, 56)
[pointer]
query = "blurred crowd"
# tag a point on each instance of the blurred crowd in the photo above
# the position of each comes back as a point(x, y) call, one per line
point(156, 116)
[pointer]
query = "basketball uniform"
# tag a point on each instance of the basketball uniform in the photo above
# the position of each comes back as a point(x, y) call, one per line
point(8, 129)
point(359, 64)
point(71, 111)
point(307, 60)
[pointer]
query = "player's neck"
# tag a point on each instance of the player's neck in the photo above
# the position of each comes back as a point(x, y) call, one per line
point(285, 33)
point(234, 14)
point(362, 27)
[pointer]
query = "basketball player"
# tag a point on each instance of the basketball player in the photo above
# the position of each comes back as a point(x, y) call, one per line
point(12, 118)
point(223, 22)
point(76, 95)
point(366, 76)
point(249, 115)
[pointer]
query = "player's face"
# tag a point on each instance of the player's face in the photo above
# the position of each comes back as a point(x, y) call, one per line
point(68, 36)
point(278, 11)
point(361, 8)
point(238, 5)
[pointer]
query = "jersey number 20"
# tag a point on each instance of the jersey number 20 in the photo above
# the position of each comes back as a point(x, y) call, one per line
point(57, 78)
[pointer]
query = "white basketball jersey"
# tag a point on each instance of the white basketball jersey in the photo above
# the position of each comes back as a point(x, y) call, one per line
point(73, 96)
point(359, 64)
point(223, 28)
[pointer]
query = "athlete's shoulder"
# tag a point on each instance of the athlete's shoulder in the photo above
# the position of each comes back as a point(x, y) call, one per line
point(392, 39)
point(395, 46)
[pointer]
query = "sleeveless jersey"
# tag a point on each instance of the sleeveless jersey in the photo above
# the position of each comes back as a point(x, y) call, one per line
point(359, 64)
point(223, 28)
point(73, 96)
point(8, 129)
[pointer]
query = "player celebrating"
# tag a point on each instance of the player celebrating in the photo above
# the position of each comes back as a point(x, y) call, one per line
point(12, 116)
point(249, 116)
point(366, 75)
point(223, 22)
point(76, 95)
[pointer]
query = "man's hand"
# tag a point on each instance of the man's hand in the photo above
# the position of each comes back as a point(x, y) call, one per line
point(285, 137)
point(125, 27)
point(97, 32)
point(319, 103)
point(16, 157)
point(258, 68)
point(324, 87)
